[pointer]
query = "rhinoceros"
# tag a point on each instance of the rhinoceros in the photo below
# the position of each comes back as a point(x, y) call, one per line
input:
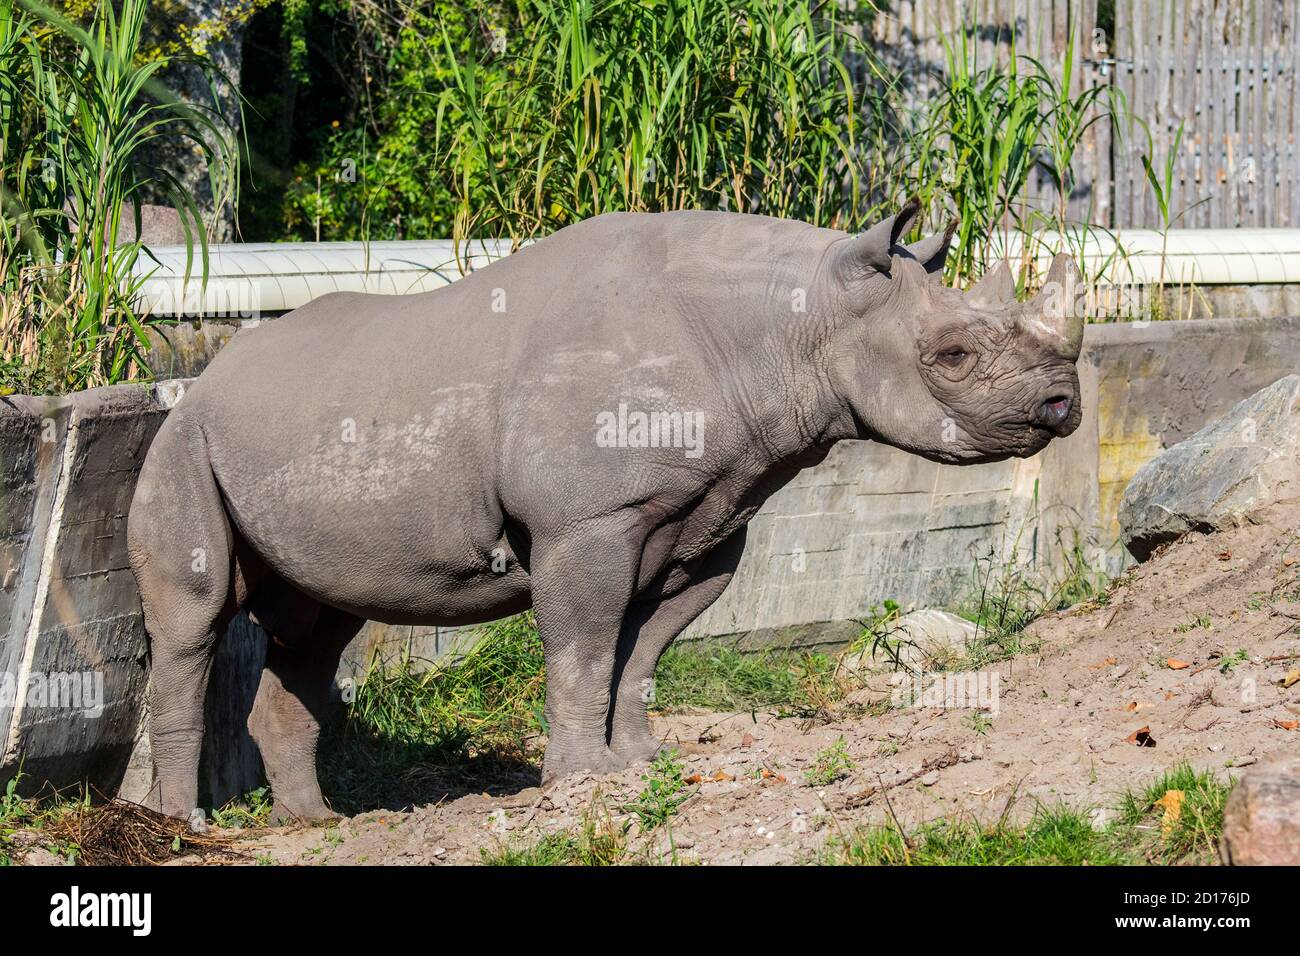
point(584, 427)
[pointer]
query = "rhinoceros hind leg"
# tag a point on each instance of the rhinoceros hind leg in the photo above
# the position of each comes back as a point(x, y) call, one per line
point(181, 550)
point(294, 701)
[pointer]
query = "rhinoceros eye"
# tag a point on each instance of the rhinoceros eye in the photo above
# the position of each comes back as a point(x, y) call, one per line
point(952, 357)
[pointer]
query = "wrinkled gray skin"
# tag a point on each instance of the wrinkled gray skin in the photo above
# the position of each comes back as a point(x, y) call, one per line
point(433, 458)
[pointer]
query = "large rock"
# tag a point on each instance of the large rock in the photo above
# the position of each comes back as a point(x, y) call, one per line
point(1261, 822)
point(924, 639)
point(1221, 476)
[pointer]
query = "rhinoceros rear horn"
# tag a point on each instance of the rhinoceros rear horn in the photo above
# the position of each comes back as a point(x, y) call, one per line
point(875, 248)
point(1057, 305)
point(996, 287)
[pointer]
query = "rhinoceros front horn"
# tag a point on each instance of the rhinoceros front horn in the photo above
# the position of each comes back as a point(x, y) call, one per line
point(1056, 306)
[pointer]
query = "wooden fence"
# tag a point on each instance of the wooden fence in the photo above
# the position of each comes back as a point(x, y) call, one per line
point(1224, 71)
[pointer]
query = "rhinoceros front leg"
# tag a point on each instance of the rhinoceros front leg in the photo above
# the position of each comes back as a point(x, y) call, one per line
point(648, 630)
point(581, 587)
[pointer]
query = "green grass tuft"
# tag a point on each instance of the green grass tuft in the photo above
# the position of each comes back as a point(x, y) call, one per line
point(1005, 596)
point(1057, 837)
point(665, 792)
point(459, 726)
point(832, 764)
point(248, 812)
point(1141, 832)
point(597, 841)
point(1194, 831)
point(713, 677)
point(33, 814)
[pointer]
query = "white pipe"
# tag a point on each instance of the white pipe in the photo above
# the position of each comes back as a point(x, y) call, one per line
point(250, 279)
point(1191, 256)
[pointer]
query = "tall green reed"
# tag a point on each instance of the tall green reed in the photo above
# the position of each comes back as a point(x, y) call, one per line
point(757, 106)
point(622, 105)
point(79, 105)
point(989, 129)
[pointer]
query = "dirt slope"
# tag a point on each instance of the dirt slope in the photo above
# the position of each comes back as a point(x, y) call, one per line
point(1224, 605)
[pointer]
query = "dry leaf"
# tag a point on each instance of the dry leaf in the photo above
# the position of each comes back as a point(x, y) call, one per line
point(1288, 561)
point(693, 778)
point(769, 775)
point(1291, 677)
point(1131, 706)
point(1172, 804)
point(1108, 662)
point(1176, 665)
point(1225, 555)
point(1141, 737)
point(747, 740)
point(722, 777)
point(1286, 724)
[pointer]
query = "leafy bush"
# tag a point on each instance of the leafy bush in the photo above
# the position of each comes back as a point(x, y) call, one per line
point(626, 105)
point(373, 174)
point(833, 763)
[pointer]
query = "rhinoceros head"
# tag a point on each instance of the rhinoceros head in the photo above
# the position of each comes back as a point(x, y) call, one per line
point(953, 376)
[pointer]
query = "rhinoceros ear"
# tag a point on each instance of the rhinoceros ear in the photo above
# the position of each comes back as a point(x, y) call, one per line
point(875, 248)
point(933, 252)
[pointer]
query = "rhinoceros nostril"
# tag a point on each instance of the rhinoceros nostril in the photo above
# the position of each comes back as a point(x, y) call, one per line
point(1055, 410)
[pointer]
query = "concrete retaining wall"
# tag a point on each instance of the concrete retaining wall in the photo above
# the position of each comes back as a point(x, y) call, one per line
point(869, 524)
point(71, 640)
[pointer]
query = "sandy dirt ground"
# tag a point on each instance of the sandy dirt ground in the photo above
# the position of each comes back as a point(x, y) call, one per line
point(1193, 646)
point(1191, 650)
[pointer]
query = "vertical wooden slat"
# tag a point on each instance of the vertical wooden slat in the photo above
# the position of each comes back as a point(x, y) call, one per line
point(1141, 62)
point(1189, 33)
point(1101, 135)
point(1161, 46)
point(1291, 169)
point(1258, 15)
point(1220, 210)
point(1211, 68)
point(1123, 152)
point(1204, 118)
